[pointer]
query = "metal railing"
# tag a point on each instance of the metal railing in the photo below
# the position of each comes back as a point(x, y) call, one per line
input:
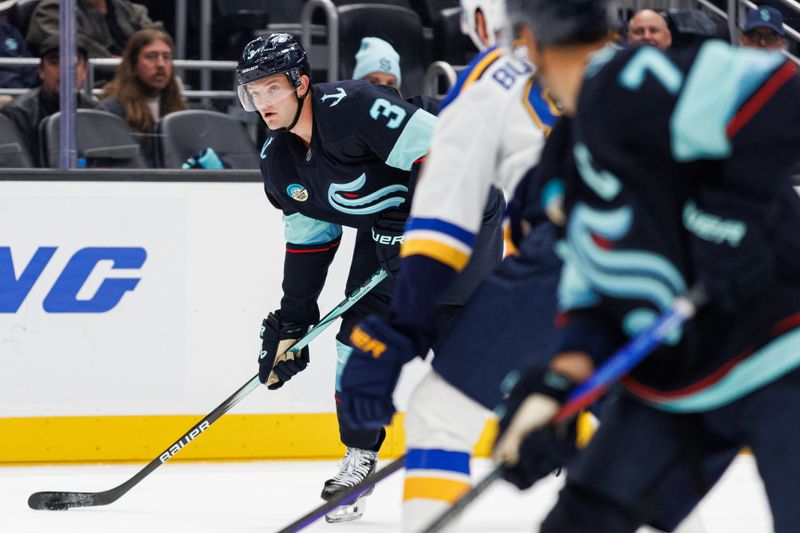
point(332, 23)
point(437, 73)
point(110, 64)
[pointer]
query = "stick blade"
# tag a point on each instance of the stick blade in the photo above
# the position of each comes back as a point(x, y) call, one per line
point(61, 501)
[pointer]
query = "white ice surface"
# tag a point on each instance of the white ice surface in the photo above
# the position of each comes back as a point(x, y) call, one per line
point(265, 496)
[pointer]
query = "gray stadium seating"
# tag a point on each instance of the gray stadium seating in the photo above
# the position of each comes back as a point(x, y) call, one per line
point(185, 133)
point(104, 140)
point(13, 153)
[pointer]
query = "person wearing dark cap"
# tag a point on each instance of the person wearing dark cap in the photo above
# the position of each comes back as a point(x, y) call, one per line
point(763, 28)
point(28, 110)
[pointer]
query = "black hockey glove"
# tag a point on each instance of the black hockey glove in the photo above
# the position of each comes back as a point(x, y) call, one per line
point(734, 262)
point(387, 232)
point(527, 444)
point(276, 365)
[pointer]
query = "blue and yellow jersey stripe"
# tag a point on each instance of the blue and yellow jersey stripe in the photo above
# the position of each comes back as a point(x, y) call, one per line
point(540, 105)
point(435, 474)
point(472, 73)
point(439, 240)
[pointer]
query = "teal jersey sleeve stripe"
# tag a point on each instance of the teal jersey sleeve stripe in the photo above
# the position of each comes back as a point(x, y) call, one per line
point(720, 81)
point(300, 229)
point(414, 142)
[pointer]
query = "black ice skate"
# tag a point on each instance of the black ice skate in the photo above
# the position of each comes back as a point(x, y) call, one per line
point(356, 465)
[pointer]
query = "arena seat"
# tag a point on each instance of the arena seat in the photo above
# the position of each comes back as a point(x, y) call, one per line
point(691, 26)
point(449, 44)
point(104, 141)
point(430, 10)
point(185, 133)
point(400, 3)
point(253, 14)
point(13, 153)
point(398, 25)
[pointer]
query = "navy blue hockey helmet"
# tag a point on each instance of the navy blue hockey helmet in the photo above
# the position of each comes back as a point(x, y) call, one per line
point(266, 56)
point(557, 22)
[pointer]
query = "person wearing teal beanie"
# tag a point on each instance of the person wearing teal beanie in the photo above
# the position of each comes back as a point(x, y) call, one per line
point(377, 62)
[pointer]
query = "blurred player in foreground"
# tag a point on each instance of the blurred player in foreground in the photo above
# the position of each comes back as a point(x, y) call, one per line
point(490, 132)
point(681, 176)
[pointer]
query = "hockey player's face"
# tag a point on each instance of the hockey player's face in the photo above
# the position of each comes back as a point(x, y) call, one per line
point(271, 98)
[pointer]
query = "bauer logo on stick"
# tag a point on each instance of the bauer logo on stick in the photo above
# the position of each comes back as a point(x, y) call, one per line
point(365, 343)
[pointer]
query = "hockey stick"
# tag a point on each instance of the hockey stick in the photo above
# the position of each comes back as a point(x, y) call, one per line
point(345, 497)
point(65, 500)
point(619, 364)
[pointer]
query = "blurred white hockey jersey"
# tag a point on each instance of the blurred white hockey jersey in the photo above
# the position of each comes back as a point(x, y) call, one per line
point(490, 132)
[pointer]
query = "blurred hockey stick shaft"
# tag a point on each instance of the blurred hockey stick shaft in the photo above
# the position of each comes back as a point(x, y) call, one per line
point(631, 354)
point(620, 363)
point(66, 500)
point(345, 497)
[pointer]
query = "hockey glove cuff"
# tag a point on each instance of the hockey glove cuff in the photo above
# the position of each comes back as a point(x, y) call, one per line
point(732, 251)
point(387, 232)
point(372, 371)
point(277, 365)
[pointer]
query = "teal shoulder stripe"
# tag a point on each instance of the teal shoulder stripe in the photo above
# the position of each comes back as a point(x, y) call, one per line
point(768, 364)
point(719, 82)
point(413, 142)
point(300, 229)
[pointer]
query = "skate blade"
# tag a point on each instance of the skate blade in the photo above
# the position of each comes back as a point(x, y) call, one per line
point(347, 513)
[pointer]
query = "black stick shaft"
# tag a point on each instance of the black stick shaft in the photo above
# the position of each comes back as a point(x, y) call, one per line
point(65, 500)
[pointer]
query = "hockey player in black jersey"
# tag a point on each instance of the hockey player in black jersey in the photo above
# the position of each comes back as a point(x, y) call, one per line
point(681, 177)
point(340, 154)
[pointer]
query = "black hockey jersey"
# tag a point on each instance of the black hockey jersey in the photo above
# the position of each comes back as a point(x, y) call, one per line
point(667, 149)
point(364, 142)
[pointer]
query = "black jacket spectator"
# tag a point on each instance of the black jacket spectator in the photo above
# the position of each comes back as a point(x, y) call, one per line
point(12, 44)
point(105, 34)
point(28, 111)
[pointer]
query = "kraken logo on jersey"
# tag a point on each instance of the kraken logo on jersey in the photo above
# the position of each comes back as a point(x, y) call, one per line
point(297, 192)
point(624, 273)
point(343, 198)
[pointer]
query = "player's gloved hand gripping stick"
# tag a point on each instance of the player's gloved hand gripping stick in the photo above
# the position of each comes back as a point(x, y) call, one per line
point(616, 366)
point(65, 500)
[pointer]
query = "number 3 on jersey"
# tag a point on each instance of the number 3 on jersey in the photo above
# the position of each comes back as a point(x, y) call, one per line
point(384, 108)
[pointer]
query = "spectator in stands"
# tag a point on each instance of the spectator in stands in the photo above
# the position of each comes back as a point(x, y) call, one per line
point(649, 27)
point(763, 28)
point(12, 44)
point(377, 62)
point(30, 109)
point(144, 87)
point(106, 25)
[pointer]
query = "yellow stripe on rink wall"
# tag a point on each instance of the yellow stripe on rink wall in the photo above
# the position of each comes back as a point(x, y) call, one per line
point(141, 438)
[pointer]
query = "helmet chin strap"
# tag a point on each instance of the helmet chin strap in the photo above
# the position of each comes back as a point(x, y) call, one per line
point(299, 110)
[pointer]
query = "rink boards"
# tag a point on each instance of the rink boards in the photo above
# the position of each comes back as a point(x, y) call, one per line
point(129, 308)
